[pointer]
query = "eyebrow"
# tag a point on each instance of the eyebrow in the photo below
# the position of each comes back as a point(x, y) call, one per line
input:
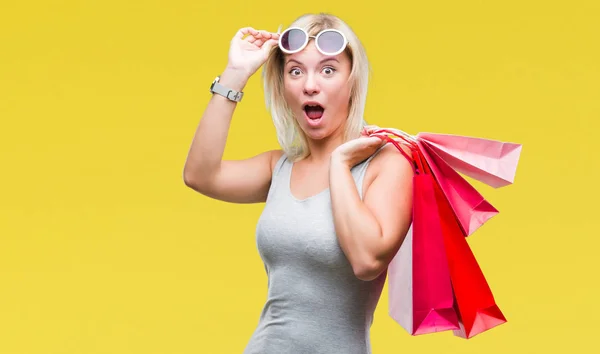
point(321, 62)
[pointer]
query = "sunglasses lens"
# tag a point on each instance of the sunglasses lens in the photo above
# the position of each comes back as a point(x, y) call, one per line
point(331, 42)
point(293, 39)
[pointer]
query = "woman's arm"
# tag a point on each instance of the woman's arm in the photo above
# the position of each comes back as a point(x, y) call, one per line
point(371, 231)
point(238, 181)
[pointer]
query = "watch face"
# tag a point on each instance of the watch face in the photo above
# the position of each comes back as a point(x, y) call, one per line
point(213, 83)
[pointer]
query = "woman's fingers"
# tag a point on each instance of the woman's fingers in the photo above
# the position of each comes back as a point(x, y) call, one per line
point(242, 32)
point(262, 37)
point(369, 129)
point(256, 37)
point(266, 35)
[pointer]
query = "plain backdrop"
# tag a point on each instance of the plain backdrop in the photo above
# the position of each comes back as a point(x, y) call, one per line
point(103, 249)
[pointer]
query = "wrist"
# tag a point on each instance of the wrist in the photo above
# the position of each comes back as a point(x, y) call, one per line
point(337, 160)
point(234, 79)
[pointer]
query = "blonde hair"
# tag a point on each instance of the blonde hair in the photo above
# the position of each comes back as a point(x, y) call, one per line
point(291, 138)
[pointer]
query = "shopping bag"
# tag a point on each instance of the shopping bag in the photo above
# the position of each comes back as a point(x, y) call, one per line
point(478, 311)
point(420, 292)
point(492, 162)
point(474, 302)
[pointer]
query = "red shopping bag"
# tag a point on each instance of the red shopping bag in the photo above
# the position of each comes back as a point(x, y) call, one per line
point(420, 292)
point(477, 307)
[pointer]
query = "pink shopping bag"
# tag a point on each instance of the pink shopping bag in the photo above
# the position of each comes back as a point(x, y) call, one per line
point(469, 206)
point(492, 162)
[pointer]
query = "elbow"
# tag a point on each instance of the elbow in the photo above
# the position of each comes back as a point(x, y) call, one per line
point(199, 176)
point(369, 271)
point(192, 181)
point(188, 180)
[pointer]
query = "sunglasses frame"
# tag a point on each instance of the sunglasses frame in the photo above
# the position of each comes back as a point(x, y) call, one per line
point(316, 41)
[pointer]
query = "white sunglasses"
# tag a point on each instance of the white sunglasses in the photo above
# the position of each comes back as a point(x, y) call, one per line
point(328, 41)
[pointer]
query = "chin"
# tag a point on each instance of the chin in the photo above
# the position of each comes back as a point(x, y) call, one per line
point(316, 135)
point(320, 133)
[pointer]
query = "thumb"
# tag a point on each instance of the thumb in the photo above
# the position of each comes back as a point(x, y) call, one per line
point(379, 140)
point(372, 141)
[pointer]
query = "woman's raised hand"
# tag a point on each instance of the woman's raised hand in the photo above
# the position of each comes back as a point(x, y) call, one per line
point(250, 49)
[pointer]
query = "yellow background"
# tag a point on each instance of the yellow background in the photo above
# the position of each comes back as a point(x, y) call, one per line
point(104, 250)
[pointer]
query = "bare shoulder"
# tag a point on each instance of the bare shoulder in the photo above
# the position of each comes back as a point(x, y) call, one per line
point(388, 161)
point(275, 156)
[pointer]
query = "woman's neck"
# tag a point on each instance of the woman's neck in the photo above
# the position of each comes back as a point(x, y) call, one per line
point(320, 150)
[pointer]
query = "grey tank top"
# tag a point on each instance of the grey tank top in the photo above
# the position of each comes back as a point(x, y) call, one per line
point(315, 304)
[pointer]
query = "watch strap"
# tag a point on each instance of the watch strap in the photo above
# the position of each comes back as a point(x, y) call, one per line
point(232, 95)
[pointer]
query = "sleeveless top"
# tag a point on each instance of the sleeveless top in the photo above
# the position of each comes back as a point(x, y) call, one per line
point(315, 303)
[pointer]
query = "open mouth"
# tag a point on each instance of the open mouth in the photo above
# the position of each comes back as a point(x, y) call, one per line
point(314, 111)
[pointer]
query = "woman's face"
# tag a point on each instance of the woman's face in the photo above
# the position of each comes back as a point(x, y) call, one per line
point(317, 90)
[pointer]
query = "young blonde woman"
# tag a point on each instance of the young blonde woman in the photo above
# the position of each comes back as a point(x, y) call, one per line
point(338, 203)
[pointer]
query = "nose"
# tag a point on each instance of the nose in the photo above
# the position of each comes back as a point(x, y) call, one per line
point(311, 86)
